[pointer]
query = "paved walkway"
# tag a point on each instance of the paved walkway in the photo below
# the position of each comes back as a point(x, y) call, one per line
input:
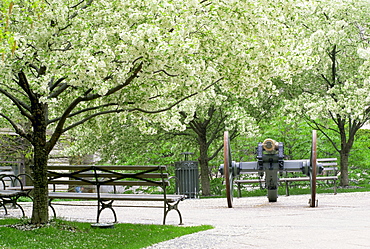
point(340, 221)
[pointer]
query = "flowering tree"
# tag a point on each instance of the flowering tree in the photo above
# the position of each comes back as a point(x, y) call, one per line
point(71, 61)
point(334, 87)
point(189, 126)
point(64, 63)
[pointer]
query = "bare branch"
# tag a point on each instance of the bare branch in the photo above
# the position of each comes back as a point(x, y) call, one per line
point(74, 6)
point(57, 83)
point(117, 88)
point(61, 89)
point(138, 58)
point(83, 7)
point(125, 110)
point(164, 71)
point(83, 111)
point(218, 129)
point(23, 83)
point(214, 83)
point(322, 129)
point(59, 128)
point(14, 89)
point(66, 48)
point(327, 81)
point(87, 118)
point(22, 107)
point(16, 128)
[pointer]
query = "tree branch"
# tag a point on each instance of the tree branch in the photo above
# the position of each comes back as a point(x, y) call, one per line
point(319, 127)
point(53, 86)
point(23, 83)
point(22, 107)
point(83, 111)
point(164, 71)
point(16, 128)
point(83, 7)
point(218, 129)
point(60, 90)
point(61, 122)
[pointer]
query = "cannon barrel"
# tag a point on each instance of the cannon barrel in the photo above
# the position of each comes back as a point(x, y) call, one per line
point(270, 145)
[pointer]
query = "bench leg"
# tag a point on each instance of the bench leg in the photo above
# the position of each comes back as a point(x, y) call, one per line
point(52, 209)
point(102, 205)
point(15, 204)
point(239, 190)
point(335, 187)
point(286, 188)
point(13, 201)
point(168, 207)
point(2, 204)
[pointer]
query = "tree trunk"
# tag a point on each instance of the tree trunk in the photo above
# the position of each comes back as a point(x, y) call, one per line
point(344, 179)
point(204, 169)
point(40, 213)
point(347, 140)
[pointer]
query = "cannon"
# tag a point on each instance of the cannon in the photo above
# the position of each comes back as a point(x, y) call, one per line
point(270, 163)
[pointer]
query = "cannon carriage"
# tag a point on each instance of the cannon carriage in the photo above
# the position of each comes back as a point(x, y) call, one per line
point(270, 163)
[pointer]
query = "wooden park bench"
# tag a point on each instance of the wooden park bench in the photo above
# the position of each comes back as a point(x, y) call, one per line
point(329, 173)
point(117, 175)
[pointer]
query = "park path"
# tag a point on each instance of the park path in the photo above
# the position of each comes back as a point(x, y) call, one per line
point(340, 221)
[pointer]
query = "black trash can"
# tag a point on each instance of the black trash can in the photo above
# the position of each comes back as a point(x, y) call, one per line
point(187, 174)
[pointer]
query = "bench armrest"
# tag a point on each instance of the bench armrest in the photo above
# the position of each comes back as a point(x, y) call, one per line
point(177, 191)
point(25, 176)
point(14, 181)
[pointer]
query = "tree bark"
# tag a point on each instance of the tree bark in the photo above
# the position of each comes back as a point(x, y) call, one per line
point(204, 169)
point(344, 179)
point(40, 214)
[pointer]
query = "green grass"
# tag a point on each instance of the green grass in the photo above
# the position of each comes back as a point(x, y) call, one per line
point(67, 234)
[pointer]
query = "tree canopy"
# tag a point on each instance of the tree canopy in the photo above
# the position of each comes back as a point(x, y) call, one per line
point(66, 62)
point(332, 92)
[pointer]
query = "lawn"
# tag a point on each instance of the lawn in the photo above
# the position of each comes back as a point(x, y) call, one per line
point(15, 233)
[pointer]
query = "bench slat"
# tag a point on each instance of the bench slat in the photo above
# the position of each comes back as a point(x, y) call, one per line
point(116, 183)
point(326, 159)
point(329, 164)
point(122, 197)
point(106, 167)
point(111, 175)
point(5, 168)
point(291, 179)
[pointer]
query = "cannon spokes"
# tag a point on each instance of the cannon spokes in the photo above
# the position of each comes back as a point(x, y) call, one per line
point(228, 170)
point(270, 162)
point(313, 170)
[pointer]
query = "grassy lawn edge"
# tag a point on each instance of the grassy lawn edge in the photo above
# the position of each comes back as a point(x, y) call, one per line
point(18, 233)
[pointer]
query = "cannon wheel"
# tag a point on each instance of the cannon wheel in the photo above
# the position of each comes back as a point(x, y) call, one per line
point(229, 178)
point(313, 171)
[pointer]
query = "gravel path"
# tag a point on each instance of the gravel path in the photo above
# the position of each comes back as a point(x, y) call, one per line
point(340, 221)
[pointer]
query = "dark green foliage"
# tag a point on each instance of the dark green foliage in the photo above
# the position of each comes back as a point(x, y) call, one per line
point(360, 154)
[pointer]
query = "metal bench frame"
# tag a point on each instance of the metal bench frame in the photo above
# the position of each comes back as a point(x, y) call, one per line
point(117, 176)
point(11, 194)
